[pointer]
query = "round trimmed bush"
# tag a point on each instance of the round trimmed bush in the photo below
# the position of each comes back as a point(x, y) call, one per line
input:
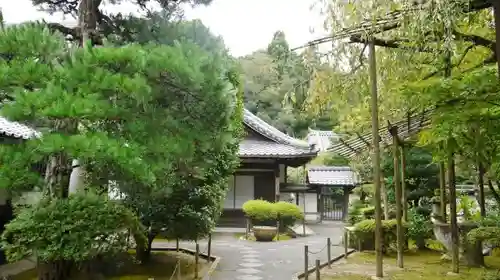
point(260, 212)
point(288, 213)
point(365, 231)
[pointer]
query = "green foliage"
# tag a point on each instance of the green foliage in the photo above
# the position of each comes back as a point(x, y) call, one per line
point(365, 231)
point(288, 213)
point(419, 225)
point(355, 212)
point(491, 275)
point(468, 208)
point(490, 235)
point(135, 115)
point(260, 211)
point(421, 173)
point(77, 229)
point(276, 85)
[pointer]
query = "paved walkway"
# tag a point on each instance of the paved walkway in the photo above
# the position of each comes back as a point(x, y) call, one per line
point(246, 260)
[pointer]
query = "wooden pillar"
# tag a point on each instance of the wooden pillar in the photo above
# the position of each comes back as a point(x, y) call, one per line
point(453, 212)
point(397, 188)
point(277, 181)
point(442, 190)
point(376, 159)
point(345, 208)
point(404, 193)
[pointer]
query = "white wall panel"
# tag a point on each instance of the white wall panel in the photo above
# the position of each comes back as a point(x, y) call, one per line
point(229, 201)
point(244, 188)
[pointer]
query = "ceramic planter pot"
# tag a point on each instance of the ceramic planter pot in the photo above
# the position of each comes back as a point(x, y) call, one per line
point(264, 233)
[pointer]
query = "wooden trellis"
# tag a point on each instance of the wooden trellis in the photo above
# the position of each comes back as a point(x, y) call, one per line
point(406, 128)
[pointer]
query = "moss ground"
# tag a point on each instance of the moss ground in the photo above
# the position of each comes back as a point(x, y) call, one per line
point(161, 267)
point(421, 265)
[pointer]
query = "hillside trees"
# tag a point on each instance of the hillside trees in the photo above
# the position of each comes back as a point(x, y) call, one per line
point(276, 81)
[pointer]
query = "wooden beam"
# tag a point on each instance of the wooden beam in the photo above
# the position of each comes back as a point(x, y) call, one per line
point(348, 146)
point(364, 140)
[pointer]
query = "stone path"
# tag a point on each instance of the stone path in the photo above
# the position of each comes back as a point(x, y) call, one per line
point(246, 260)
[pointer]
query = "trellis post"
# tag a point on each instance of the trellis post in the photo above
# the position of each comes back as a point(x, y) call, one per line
point(376, 159)
point(453, 210)
point(397, 187)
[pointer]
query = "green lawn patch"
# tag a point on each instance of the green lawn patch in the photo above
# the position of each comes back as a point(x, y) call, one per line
point(421, 265)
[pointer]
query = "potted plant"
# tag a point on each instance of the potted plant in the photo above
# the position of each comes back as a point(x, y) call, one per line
point(263, 216)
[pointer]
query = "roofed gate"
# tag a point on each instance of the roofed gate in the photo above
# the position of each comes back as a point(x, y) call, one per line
point(335, 183)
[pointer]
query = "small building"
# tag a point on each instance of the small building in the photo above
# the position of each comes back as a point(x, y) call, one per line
point(10, 133)
point(265, 154)
point(332, 184)
point(322, 140)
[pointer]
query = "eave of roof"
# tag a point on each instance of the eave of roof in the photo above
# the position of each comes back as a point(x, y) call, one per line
point(332, 176)
point(17, 130)
point(280, 146)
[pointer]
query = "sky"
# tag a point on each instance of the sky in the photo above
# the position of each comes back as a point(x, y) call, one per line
point(245, 25)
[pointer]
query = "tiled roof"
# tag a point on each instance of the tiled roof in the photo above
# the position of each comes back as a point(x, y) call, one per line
point(332, 175)
point(322, 139)
point(262, 148)
point(280, 145)
point(17, 130)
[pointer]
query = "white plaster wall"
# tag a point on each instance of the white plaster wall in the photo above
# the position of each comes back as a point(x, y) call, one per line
point(244, 189)
point(229, 201)
point(282, 173)
point(76, 177)
point(240, 190)
point(28, 198)
point(288, 197)
point(311, 206)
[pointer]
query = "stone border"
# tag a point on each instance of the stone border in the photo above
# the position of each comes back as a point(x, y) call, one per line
point(312, 269)
point(214, 259)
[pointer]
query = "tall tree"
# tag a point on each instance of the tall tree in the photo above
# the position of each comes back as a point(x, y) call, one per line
point(91, 15)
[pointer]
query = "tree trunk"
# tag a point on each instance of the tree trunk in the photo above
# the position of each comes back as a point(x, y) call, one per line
point(474, 254)
point(453, 213)
point(385, 201)
point(494, 192)
point(57, 175)
point(54, 270)
point(143, 251)
point(88, 12)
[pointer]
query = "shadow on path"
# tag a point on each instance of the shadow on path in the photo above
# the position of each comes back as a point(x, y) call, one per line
point(246, 260)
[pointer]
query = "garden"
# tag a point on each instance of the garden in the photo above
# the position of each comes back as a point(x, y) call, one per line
point(427, 244)
point(115, 111)
point(271, 221)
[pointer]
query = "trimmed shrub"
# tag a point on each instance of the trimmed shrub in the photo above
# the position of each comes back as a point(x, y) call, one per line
point(260, 212)
point(288, 213)
point(368, 212)
point(365, 232)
